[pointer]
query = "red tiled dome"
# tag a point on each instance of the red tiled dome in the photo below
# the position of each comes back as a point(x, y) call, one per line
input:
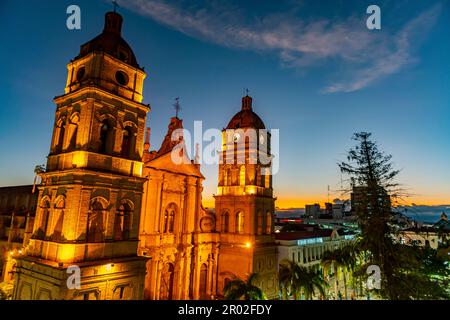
point(246, 118)
point(110, 41)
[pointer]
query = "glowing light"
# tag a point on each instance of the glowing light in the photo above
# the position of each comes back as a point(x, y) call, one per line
point(79, 159)
point(11, 253)
point(20, 251)
point(109, 266)
point(251, 190)
point(66, 253)
point(248, 245)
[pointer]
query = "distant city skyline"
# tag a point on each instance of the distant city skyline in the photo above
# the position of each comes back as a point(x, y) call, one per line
point(315, 73)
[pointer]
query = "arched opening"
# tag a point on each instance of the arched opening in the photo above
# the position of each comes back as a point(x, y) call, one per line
point(260, 221)
point(242, 176)
point(45, 214)
point(239, 222)
point(127, 142)
point(59, 134)
point(106, 137)
point(227, 177)
point(122, 222)
point(267, 178)
point(268, 222)
point(95, 222)
point(166, 286)
point(73, 130)
point(258, 176)
point(225, 222)
point(169, 218)
point(59, 218)
point(203, 282)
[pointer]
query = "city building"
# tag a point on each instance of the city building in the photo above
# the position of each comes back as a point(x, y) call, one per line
point(312, 210)
point(17, 211)
point(307, 245)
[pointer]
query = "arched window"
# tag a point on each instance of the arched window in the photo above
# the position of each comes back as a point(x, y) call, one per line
point(268, 222)
point(203, 282)
point(166, 221)
point(267, 178)
point(73, 130)
point(227, 177)
point(59, 134)
point(166, 286)
point(95, 222)
point(127, 142)
point(239, 224)
point(258, 176)
point(260, 222)
point(169, 218)
point(225, 222)
point(106, 137)
point(58, 218)
point(122, 222)
point(242, 176)
point(45, 214)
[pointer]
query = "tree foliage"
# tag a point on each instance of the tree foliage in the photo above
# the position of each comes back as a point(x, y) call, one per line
point(238, 289)
point(295, 280)
point(371, 171)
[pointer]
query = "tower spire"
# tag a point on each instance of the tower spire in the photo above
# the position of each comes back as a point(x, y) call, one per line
point(115, 4)
point(177, 106)
point(247, 102)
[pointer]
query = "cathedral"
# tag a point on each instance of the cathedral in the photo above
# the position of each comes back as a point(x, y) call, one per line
point(125, 217)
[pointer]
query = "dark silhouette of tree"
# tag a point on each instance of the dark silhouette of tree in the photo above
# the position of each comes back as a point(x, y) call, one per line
point(372, 172)
point(238, 289)
point(295, 279)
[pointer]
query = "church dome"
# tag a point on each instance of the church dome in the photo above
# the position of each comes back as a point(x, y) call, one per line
point(110, 41)
point(246, 118)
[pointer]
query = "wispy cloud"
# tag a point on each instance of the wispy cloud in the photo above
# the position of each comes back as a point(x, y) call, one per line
point(367, 56)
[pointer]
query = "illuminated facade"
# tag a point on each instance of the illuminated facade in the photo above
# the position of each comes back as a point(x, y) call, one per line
point(132, 219)
point(90, 198)
point(244, 203)
point(176, 232)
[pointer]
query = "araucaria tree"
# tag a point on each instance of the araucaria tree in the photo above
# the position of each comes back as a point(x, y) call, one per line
point(374, 189)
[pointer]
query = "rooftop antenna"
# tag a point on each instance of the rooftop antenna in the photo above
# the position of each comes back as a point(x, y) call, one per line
point(115, 4)
point(177, 106)
point(246, 91)
point(328, 193)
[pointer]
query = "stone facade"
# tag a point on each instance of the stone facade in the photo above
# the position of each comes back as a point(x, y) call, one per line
point(131, 220)
point(244, 203)
point(175, 229)
point(90, 197)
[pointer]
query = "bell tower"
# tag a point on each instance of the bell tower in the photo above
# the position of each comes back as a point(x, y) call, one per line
point(90, 198)
point(244, 203)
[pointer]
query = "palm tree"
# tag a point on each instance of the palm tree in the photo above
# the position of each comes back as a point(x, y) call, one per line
point(238, 289)
point(346, 260)
point(310, 281)
point(330, 261)
point(295, 279)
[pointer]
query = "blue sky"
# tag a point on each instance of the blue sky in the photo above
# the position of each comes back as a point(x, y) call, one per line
point(315, 72)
